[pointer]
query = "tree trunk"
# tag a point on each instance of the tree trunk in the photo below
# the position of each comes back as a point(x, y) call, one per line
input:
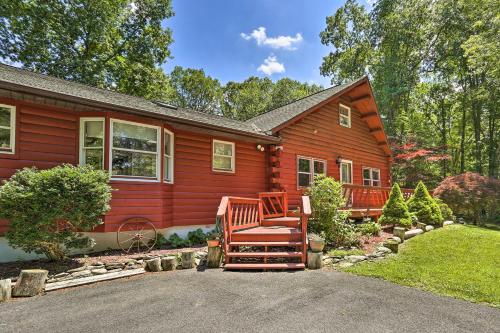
point(214, 257)
point(169, 263)
point(314, 260)
point(462, 130)
point(187, 259)
point(154, 265)
point(5, 290)
point(31, 282)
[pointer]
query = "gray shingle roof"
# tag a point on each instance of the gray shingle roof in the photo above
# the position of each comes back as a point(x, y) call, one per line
point(75, 91)
point(272, 119)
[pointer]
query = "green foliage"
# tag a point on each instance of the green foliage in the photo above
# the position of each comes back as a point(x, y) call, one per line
point(395, 210)
point(118, 44)
point(47, 209)
point(446, 211)
point(327, 220)
point(161, 241)
point(197, 237)
point(443, 261)
point(369, 229)
point(344, 253)
point(425, 207)
point(176, 241)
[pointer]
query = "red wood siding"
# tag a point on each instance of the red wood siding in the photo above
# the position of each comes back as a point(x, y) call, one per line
point(330, 141)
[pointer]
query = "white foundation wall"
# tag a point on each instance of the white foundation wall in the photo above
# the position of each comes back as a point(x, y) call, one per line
point(104, 241)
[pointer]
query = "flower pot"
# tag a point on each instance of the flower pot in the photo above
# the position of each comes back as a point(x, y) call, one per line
point(316, 245)
point(213, 242)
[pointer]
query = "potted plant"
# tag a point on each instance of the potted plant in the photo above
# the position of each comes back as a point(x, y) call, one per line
point(213, 239)
point(316, 243)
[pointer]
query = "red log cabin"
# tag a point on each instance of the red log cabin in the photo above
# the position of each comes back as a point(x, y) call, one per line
point(172, 166)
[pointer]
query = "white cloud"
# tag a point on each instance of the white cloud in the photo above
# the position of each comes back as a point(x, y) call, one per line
point(271, 66)
point(280, 42)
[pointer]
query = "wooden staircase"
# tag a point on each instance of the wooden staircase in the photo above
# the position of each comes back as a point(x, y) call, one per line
point(260, 234)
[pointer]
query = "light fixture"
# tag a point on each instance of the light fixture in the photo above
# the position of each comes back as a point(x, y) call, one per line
point(260, 148)
point(338, 160)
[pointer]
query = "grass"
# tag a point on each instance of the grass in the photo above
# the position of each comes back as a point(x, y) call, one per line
point(343, 253)
point(458, 261)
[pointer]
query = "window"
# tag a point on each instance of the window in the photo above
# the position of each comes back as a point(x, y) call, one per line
point(307, 169)
point(346, 171)
point(371, 177)
point(344, 115)
point(223, 156)
point(168, 157)
point(92, 142)
point(134, 150)
point(7, 129)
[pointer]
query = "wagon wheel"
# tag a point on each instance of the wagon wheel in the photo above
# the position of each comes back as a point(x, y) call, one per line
point(136, 234)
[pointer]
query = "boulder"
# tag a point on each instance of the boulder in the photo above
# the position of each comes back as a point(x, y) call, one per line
point(421, 225)
point(445, 223)
point(413, 233)
point(383, 249)
point(429, 228)
point(75, 270)
point(99, 271)
point(154, 265)
point(81, 274)
point(355, 259)
point(345, 264)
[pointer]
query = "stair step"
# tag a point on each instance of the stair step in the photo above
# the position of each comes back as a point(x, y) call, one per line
point(265, 243)
point(266, 266)
point(264, 254)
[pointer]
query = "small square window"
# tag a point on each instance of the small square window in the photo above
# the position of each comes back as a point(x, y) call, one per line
point(307, 169)
point(371, 177)
point(344, 115)
point(7, 129)
point(223, 158)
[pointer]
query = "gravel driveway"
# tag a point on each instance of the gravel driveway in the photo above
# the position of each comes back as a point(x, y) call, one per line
point(216, 301)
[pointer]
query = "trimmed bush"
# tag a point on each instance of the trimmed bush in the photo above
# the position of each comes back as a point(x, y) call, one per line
point(471, 196)
point(327, 220)
point(446, 211)
point(369, 229)
point(48, 209)
point(395, 211)
point(424, 207)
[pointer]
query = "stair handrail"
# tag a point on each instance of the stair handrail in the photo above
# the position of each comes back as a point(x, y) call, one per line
point(304, 217)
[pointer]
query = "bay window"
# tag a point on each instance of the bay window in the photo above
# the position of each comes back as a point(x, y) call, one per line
point(92, 142)
point(223, 156)
point(307, 169)
point(371, 177)
point(7, 129)
point(168, 157)
point(135, 150)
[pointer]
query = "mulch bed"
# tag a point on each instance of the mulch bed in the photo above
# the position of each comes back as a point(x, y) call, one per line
point(12, 269)
point(370, 244)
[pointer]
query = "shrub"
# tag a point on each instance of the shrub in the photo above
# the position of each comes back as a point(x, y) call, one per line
point(471, 196)
point(369, 229)
point(424, 206)
point(327, 220)
point(446, 211)
point(176, 241)
point(197, 237)
point(47, 209)
point(395, 210)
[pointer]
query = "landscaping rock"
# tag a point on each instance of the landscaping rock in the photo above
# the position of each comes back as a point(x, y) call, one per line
point(74, 270)
point(421, 225)
point(81, 274)
point(413, 233)
point(187, 259)
point(429, 228)
point(383, 249)
point(169, 263)
point(95, 267)
point(5, 290)
point(399, 232)
point(445, 223)
point(154, 265)
point(396, 239)
point(99, 271)
point(115, 270)
point(345, 264)
point(355, 259)
point(64, 278)
point(392, 245)
point(60, 275)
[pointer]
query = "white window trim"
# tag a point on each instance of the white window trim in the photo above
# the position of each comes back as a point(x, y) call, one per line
point(340, 167)
point(158, 153)
point(12, 129)
point(171, 156)
point(371, 176)
point(82, 138)
point(348, 116)
point(233, 156)
point(311, 167)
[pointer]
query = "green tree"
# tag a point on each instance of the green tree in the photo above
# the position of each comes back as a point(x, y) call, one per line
point(191, 88)
point(48, 209)
point(395, 210)
point(118, 44)
point(424, 207)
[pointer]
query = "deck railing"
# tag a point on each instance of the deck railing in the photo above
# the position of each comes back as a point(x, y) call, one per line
point(369, 197)
point(274, 204)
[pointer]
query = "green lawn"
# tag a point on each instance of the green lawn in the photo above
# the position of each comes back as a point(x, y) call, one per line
point(458, 261)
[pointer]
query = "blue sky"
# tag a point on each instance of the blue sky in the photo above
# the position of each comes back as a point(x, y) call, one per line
point(223, 38)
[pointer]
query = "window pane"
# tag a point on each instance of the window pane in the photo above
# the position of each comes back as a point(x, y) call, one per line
point(5, 140)
point(376, 183)
point(127, 163)
point(5, 116)
point(94, 134)
point(319, 167)
point(168, 168)
point(223, 149)
point(94, 158)
point(304, 179)
point(134, 137)
point(344, 121)
point(168, 139)
point(366, 182)
point(366, 173)
point(304, 165)
point(375, 174)
point(344, 111)
point(346, 173)
point(222, 163)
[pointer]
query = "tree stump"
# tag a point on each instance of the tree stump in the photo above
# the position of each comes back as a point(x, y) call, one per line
point(169, 263)
point(154, 265)
point(392, 245)
point(5, 290)
point(31, 282)
point(187, 259)
point(399, 232)
point(214, 256)
point(314, 260)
